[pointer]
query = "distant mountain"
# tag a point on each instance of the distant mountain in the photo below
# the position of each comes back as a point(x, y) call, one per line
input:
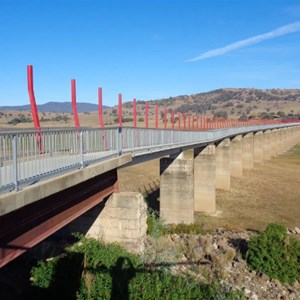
point(60, 107)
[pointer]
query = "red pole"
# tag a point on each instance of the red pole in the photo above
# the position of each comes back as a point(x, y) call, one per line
point(146, 115)
point(193, 122)
point(189, 118)
point(165, 117)
point(74, 106)
point(156, 116)
point(100, 107)
point(134, 112)
point(120, 109)
point(173, 120)
point(100, 112)
point(184, 121)
point(34, 110)
point(179, 120)
point(197, 123)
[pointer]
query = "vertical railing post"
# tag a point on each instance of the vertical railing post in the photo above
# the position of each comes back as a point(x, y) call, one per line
point(165, 117)
point(146, 115)
point(134, 112)
point(173, 119)
point(81, 148)
point(15, 162)
point(119, 141)
point(156, 116)
point(120, 109)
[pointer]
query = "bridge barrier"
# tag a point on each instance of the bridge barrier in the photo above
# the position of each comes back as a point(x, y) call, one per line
point(24, 159)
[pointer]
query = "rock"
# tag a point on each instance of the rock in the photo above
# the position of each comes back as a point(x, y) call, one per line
point(254, 297)
point(297, 230)
point(276, 282)
point(246, 291)
point(264, 278)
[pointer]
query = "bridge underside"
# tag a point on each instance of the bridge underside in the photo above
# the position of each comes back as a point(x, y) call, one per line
point(25, 227)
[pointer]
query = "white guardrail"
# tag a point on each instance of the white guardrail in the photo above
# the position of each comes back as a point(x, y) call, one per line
point(29, 156)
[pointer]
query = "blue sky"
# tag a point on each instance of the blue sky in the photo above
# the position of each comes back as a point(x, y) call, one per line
point(144, 49)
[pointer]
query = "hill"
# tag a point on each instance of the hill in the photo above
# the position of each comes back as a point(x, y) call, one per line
point(227, 103)
point(60, 107)
point(236, 102)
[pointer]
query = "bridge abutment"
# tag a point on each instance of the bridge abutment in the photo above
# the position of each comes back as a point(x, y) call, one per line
point(205, 180)
point(122, 220)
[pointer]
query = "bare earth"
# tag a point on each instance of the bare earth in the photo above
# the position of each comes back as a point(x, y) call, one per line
point(269, 193)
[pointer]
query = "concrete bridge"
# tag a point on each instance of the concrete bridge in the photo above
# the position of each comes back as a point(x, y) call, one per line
point(51, 177)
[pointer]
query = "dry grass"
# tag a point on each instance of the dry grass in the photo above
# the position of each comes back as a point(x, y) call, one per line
point(269, 193)
point(266, 194)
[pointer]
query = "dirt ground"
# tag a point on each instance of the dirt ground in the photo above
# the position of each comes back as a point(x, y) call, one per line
point(269, 193)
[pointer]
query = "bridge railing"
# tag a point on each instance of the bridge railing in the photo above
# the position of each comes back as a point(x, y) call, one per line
point(29, 156)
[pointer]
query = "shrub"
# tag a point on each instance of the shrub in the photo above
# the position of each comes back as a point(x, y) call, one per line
point(187, 229)
point(92, 270)
point(275, 253)
point(155, 226)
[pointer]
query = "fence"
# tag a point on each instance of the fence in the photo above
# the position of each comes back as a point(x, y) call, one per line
point(29, 156)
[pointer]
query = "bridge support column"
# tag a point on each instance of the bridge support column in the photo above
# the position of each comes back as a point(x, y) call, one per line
point(273, 143)
point(297, 132)
point(258, 151)
point(223, 165)
point(280, 141)
point(236, 152)
point(177, 190)
point(205, 180)
point(295, 135)
point(248, 151)
point(122, 220)
point(285, 139)
point(266, 147)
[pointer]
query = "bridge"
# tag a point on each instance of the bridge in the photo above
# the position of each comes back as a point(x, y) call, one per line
point(48, 178)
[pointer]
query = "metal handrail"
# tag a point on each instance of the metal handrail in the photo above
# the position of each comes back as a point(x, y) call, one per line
point(27, 156)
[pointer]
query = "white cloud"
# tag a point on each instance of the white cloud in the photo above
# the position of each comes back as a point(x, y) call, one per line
point(293, 27)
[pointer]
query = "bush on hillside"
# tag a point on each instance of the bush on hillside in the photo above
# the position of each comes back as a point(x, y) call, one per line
point(276, 254)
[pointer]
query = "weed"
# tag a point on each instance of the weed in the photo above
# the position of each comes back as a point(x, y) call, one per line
point(156, 227)
point(188, 229)
point(275, 253)
point(110, 272)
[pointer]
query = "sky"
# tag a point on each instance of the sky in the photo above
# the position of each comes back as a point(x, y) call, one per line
point(146, 49)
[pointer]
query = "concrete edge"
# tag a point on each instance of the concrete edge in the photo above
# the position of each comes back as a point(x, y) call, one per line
point(14, 200)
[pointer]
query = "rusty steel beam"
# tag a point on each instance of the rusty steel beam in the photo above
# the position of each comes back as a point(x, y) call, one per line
point(22, 229)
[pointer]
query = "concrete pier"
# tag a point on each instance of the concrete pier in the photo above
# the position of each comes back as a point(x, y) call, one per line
point(266, 147)
point(177, 190)
point(223, 165)
point(205, 180)
point(248, 151)
point(236, 151)
point(258, 150)
point(273, 143)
